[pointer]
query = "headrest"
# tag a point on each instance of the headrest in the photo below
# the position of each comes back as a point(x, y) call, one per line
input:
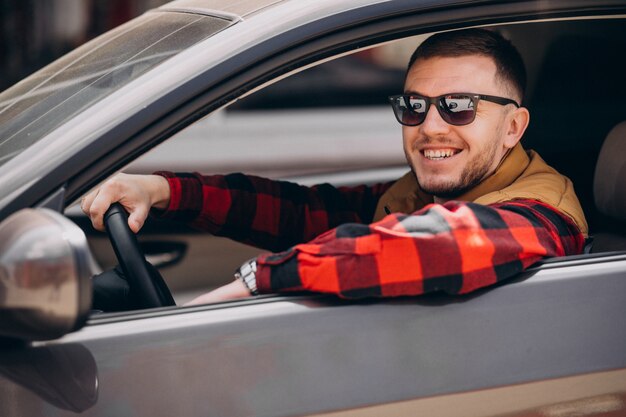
point(609, 181)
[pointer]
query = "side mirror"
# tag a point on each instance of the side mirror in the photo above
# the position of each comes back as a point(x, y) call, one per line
point(45, 270)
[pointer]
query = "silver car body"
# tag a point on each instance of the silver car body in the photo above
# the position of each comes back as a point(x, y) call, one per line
point(550, 341)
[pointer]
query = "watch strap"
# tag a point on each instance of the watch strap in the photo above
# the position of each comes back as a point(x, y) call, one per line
point(247, 274)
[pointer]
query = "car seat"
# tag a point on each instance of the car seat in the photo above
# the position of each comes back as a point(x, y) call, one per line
point(576, 100)
point(609, 189)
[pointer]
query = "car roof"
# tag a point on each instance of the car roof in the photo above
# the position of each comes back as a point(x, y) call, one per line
point(240, 8)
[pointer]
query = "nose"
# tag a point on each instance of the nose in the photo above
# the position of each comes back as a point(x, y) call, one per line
point(434, 125)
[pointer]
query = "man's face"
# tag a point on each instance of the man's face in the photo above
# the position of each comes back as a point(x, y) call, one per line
point(449, 160)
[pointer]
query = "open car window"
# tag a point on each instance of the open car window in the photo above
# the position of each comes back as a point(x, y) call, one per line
point(331, 123)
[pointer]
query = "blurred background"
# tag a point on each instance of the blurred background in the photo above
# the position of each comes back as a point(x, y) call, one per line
point(36, 32)
point(316, 109)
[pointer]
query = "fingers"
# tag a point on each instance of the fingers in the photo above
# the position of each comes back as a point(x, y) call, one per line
point(137, 218)
point(87, 207)
point(86, 201)
point(97, 202)
point(125, 189)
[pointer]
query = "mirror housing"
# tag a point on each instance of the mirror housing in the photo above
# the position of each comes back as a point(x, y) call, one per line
point(45, 276)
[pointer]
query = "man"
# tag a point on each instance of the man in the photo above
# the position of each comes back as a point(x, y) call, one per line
point(474, 210)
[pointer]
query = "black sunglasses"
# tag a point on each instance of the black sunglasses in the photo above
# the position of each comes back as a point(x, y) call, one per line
point(457, 109)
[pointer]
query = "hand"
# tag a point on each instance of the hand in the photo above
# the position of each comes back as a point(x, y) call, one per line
point(232, 291)
point(136, 193)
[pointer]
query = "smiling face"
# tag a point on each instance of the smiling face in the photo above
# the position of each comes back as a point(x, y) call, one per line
point(449, 160)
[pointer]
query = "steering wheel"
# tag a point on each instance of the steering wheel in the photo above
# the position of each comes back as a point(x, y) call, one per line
point(146, 282)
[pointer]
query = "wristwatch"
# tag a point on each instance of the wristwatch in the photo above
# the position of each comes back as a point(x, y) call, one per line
point(247, 274)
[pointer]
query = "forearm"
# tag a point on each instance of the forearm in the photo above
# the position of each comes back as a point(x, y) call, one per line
point(269, 214)
point(456, 248)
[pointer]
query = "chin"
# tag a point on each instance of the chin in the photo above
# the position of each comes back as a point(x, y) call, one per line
point(443, 188)
point(444, 192)
point(438, 188)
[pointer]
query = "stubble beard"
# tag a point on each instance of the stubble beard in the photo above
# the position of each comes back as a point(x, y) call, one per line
point(474, 172)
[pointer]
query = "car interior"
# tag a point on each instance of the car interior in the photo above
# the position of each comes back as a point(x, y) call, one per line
point(575, 97)
point(575, 103)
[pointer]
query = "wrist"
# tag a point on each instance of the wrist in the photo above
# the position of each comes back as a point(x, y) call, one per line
point(247, 275)
point(159, 192)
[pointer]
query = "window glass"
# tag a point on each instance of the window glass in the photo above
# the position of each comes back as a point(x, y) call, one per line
point(43, 101)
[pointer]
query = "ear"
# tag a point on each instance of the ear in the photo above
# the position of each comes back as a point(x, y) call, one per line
point(516, 124)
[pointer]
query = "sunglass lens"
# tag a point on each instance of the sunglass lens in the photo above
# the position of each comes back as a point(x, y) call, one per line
point(457, 109)
point(410, 111)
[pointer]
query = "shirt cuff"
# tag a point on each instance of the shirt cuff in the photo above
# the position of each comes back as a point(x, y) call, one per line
point(278, 272)
point(185, 197)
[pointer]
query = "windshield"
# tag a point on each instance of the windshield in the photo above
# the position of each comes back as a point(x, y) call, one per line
point(45, 100)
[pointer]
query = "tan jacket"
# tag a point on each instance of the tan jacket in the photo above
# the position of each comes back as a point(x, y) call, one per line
point(521, 175)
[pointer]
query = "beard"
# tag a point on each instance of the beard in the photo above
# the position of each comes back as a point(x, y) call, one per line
point(474, 172)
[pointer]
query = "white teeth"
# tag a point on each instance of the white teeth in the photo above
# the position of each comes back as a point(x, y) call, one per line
point(438, 154)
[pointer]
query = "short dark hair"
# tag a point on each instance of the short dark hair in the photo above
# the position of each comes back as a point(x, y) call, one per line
point(509, 64)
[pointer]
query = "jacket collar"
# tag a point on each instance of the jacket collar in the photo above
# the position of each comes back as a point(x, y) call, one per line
point(510, 168)
point(406, 195)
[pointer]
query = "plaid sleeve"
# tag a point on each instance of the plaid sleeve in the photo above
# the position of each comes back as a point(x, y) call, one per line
point(269, 214)
point(456, 247)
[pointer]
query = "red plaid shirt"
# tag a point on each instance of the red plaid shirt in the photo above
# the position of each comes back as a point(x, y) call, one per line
point(456, 247)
